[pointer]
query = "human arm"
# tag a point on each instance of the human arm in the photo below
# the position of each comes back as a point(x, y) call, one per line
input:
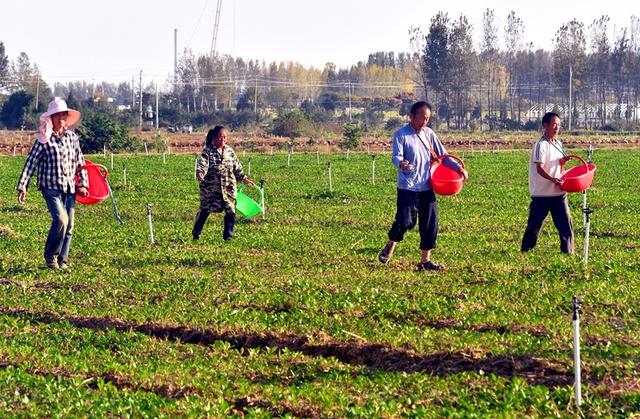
point(397, 153)
point(83, 178)
point(202, 167)
point(540, 170)
point(440, 150)
point(35, 154)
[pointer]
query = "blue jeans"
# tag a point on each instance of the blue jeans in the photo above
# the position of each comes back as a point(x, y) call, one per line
point(61, 207)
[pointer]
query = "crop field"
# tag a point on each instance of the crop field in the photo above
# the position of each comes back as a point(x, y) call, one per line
point(296, 317)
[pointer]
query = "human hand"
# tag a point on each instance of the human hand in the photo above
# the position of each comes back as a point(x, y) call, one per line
point(248, 182)
point(22, 196)
point(82, 190)
point(405, 165)
point(557, 181)
point(464, 173)
point(564, 160)
point(199, 176)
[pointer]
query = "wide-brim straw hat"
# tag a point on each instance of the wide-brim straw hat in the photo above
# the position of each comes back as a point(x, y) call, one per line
point(58, 105)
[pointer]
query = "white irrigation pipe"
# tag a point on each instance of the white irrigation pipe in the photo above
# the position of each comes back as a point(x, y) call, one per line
point(112, 160)
point(586, 214)
point(318, 155)
point(195, 170)
point(249, 168)
point(151, 238)
point(289, 159)
point(373, 169)
point(146, 150)
point(330, 180)
point(104, 151)
point(164, 157)
point(124, 174)
point(576, 349)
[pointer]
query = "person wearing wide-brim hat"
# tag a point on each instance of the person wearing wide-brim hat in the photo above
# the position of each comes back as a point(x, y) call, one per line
point(57, 156)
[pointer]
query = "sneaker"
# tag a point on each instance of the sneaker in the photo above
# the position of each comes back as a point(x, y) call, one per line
point(385, 254)
point(428, 266)
point(63, 265)
point(52, 264)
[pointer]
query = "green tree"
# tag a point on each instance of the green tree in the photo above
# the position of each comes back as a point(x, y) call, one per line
point(15, 109)
point(292, 124)
point(99, 130)
point(351, 135)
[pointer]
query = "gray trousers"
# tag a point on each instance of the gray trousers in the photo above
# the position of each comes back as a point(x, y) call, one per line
point(538, 211)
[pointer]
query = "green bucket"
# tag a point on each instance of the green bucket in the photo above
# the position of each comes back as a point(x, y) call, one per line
point(247, 206)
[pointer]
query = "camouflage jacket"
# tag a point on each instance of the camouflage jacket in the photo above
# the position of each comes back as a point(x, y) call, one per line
point(221, 172)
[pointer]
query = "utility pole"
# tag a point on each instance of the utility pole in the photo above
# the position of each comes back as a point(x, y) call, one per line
point(255, 99)
point(37, 91)
point(157, 116)
point(175, 57)
point(570, 94)
point(349, 86)
point(140, 119)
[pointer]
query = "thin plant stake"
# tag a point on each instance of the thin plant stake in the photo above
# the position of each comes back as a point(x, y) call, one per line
point(373, 169)
point(576, 349)
point(151, 238)
point(330, 180)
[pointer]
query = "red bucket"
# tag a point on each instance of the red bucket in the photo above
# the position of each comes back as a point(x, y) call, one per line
point(579, 178)
point(98, 186)
point(445, 180)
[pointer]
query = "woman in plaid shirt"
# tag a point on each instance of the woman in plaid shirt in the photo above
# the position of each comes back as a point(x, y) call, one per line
point(57, 156)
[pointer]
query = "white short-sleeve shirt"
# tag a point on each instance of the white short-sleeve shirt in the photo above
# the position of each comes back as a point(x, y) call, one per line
point(548, 152)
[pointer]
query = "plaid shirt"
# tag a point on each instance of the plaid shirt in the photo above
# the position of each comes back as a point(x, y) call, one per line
point(56, 161)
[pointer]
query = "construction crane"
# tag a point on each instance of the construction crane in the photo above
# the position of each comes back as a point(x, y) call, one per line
point(215, 29)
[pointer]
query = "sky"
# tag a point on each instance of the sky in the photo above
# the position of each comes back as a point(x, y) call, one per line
point(114, 40)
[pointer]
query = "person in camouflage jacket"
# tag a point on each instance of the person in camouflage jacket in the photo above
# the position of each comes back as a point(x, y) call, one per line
point(218, 170)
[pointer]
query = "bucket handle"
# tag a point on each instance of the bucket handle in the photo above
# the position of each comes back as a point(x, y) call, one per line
point(574, 156)
point(260, 193)
point(453, 156)
point(103, 170)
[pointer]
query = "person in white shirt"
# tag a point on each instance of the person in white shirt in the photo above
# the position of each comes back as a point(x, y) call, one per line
point(546, 167)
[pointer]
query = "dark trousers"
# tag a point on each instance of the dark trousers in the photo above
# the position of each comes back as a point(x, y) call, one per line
point(201, 218)
point(415, 207)
point(538, 211)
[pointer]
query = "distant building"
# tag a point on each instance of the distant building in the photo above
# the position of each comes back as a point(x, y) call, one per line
point(588, 115)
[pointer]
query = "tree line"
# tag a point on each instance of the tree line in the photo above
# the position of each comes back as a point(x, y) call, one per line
point(500, 82)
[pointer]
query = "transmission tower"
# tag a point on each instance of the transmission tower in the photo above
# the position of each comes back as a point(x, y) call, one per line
point(215, 28)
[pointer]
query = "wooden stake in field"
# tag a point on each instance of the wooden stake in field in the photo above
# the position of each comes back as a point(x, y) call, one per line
point(289, 159)
point(14, 150)
point(164, 157)
point(151, 238)
point(124, 176)
point(146, 149)
point(271, 152)
point(347, 154)
point(318, 155)
point(373, 169)
point(249, 167)
point(330, 180)
point(112, 160)
point(195, 169)
point(369, 148)
point(104, 151)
